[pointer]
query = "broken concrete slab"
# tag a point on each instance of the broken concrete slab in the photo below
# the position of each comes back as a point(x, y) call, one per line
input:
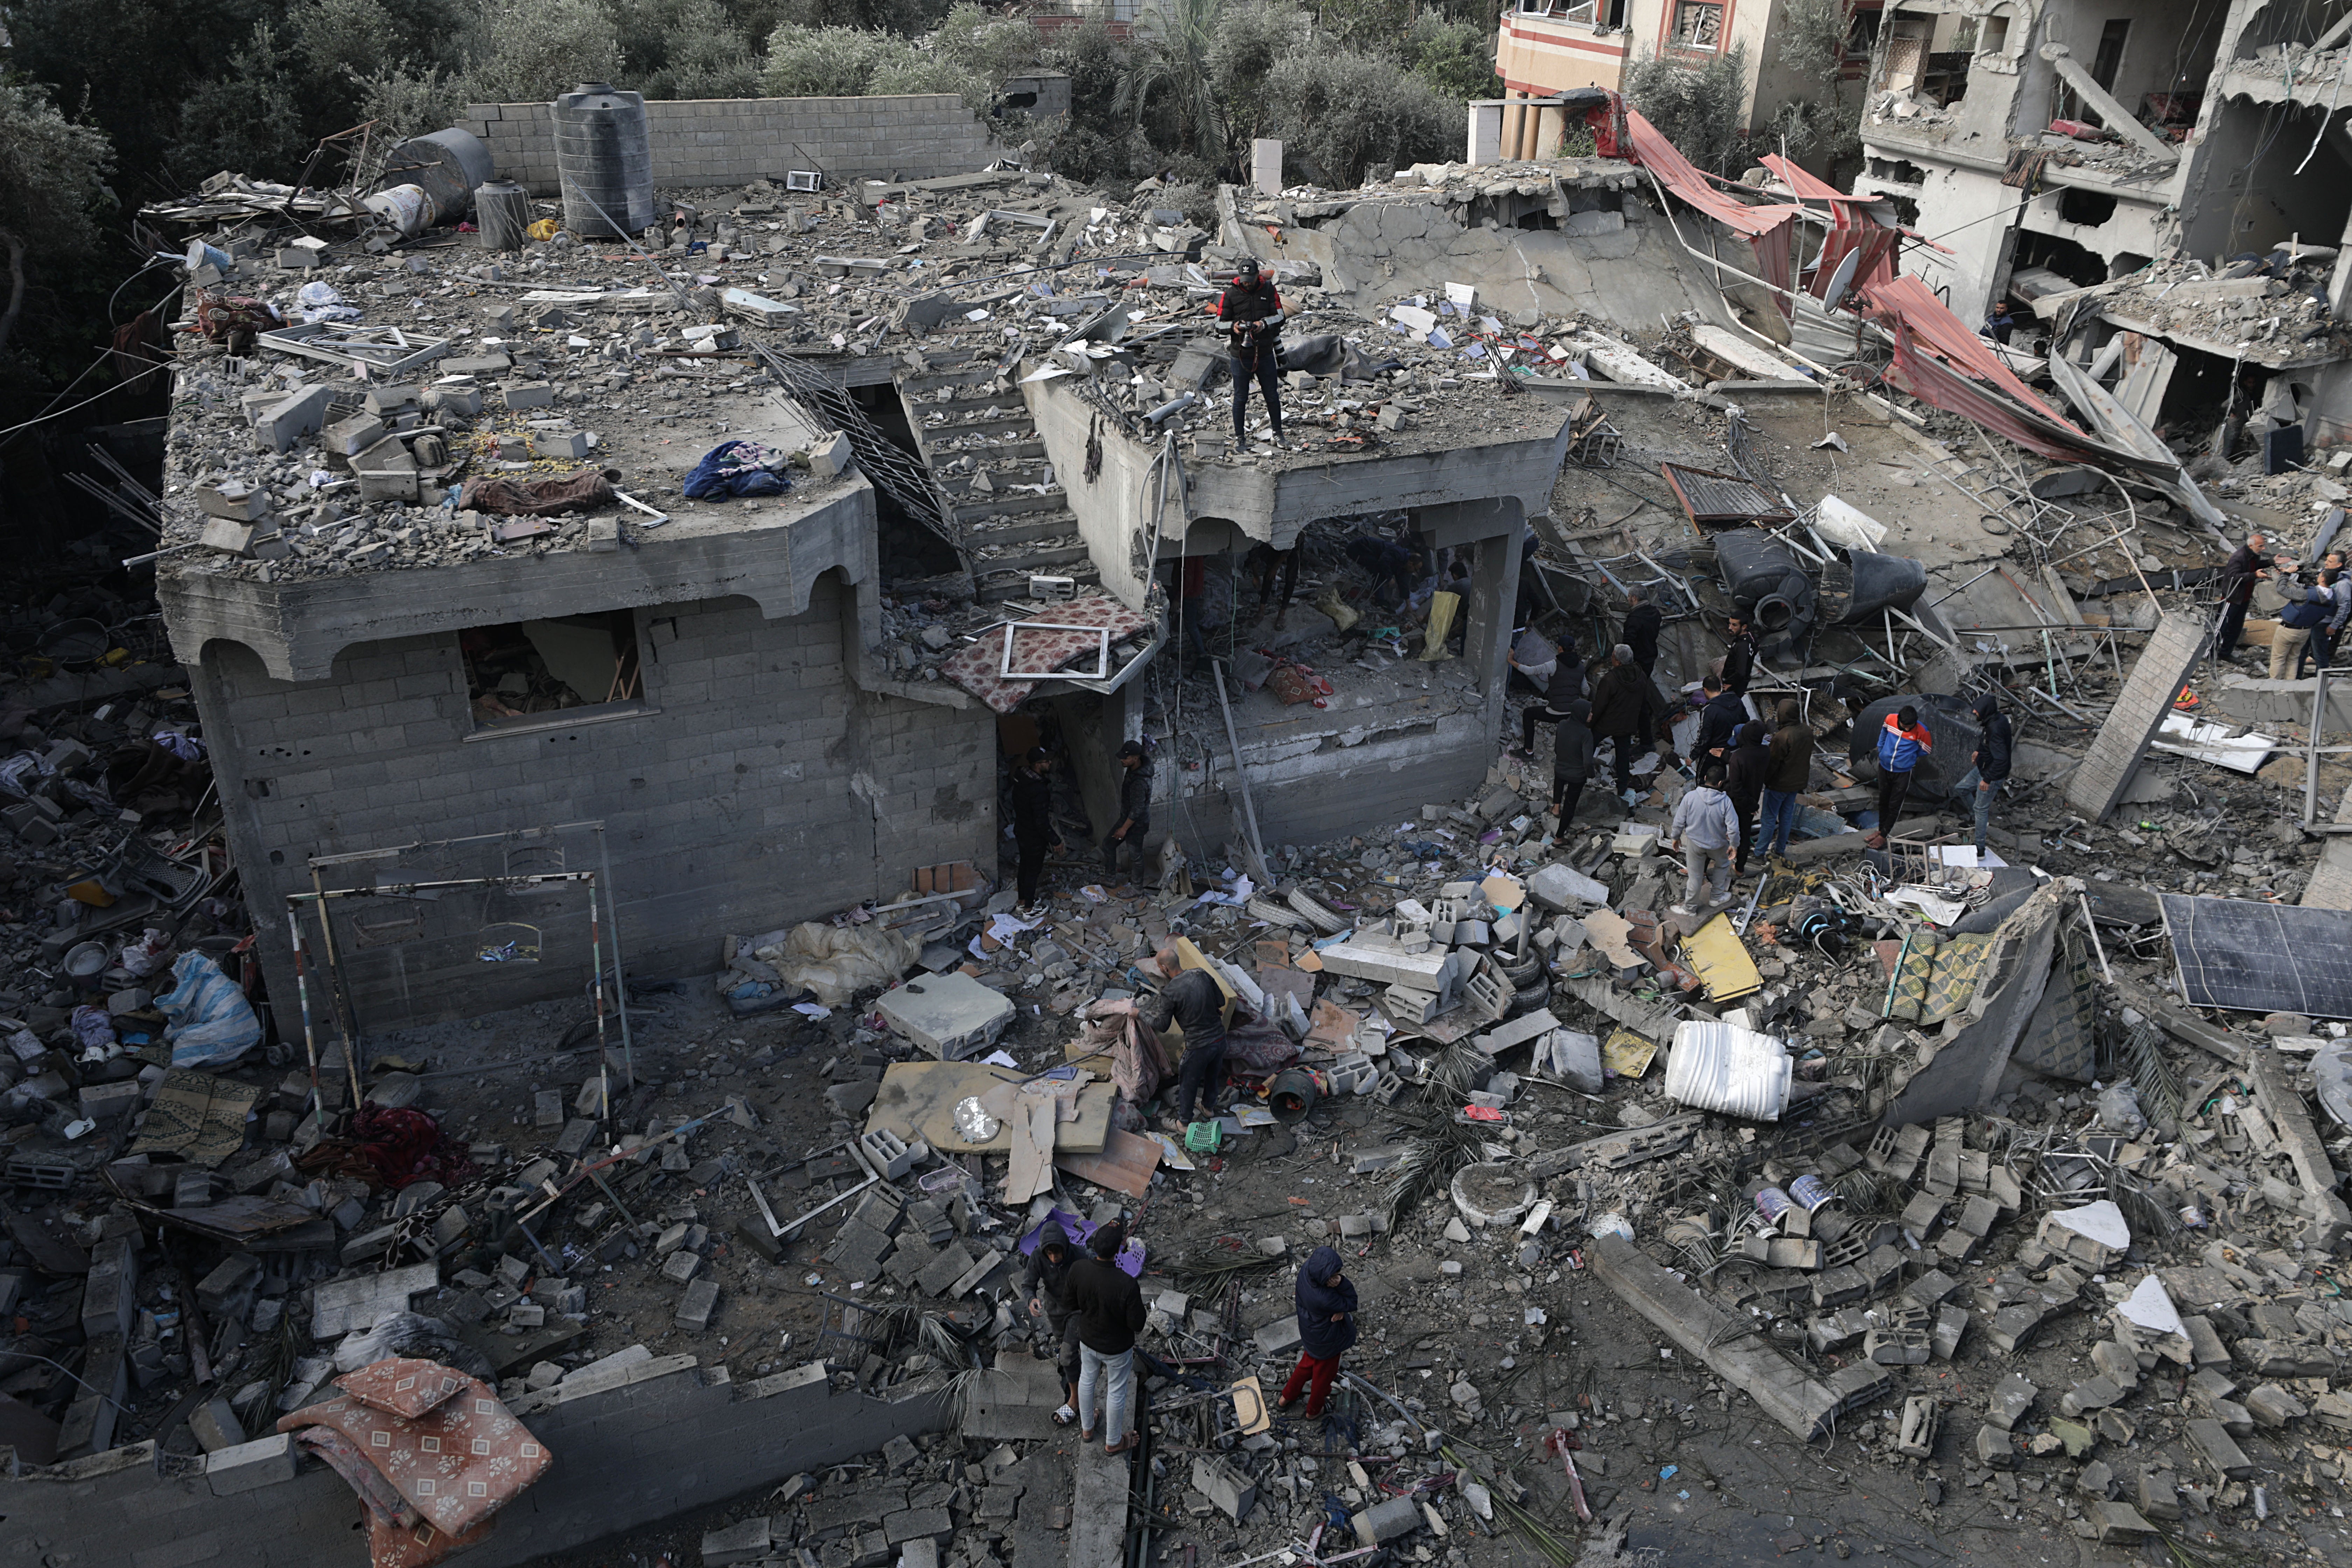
point(951, 1016)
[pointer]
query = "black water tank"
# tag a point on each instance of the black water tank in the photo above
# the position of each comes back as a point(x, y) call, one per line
point(604, 159)
point(1763, 578)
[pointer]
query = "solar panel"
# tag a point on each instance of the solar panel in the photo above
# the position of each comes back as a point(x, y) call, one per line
point(2260, 957)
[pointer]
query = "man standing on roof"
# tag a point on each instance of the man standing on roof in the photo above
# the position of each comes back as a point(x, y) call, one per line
point(1253, 315)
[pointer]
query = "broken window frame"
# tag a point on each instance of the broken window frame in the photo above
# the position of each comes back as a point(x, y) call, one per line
point(1698, 12)
point(624, 696)
point(1102, 653)
point(356, 346)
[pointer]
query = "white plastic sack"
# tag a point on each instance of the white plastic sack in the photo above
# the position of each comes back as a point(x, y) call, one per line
point(838, 962)
point(1724, 1068)
point(207, 1020)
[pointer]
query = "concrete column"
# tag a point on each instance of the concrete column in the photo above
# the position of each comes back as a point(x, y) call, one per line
point(1551, 133)
point(1266, 166)
point(1514, 113)
point(1493, 596)
point(1530, 124)
point(2339, 283)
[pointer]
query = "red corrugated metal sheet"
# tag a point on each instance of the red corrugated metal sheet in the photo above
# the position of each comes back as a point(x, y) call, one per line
point(2025, 421)
point(1679, 174)
point(1851, 230)
point(1947, 337)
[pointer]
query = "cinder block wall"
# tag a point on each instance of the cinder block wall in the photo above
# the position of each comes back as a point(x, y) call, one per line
point(761, 788)
point(734, 141)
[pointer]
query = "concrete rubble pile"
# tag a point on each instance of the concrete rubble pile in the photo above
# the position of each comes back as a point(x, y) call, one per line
point(1902, 1145)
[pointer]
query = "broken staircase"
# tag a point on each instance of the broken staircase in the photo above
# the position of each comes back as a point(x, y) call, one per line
point(1010, 515)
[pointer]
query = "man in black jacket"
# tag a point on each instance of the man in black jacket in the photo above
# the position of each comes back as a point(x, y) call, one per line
point(1108, 1307)
point(1044, 1279)
point(1032, 822)
point(1723, 714)
point(1643, 621)
point(2245, 564)
point(1253, 315)
point(1325, 1301)
point(1624, 709)
point(1134, 807)
point(1572, 760)
point(1738, 655)
point(1563, 686)
point(1195, 1003)
point(1995, 742)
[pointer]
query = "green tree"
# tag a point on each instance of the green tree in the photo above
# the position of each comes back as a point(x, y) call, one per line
point(53, 193)
point(1339, 112)
point(520, 52)
point(1168, 79)
point(825, 62)
point(1698, 110)
point(1457, 59)
point(1251, 36)
point(1821, 127)
point(244, 119)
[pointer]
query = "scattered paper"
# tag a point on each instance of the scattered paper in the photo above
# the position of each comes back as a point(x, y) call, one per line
point(812, 1010)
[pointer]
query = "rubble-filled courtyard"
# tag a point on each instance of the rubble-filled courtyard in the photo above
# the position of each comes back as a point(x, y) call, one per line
point(551, 1013)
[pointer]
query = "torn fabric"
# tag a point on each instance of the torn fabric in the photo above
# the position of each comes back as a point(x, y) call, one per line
point(539, 498)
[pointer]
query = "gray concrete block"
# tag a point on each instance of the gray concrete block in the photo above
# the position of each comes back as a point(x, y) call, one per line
point(951, 1016)
point(249, 1466)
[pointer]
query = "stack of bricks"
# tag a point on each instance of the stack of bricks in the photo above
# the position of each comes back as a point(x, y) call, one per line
point(734, 141)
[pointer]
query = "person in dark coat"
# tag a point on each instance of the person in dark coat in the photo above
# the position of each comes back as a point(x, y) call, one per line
point(1391, 565)
point(1643, 621)
point(1134, 807)
point(1787, 769)
point(1624, 707)
point(1565, 684)
point(1044, 1280)
point(1327, 1327)
point(1738, 655)
point(1252, 312)
point(2239, 573)
point(1032, 822)
point(1109, 1308)
point(1722, 715)
point(1746, 769)
point(1572, 760)
point(1193, 1001)
point(1996, 741)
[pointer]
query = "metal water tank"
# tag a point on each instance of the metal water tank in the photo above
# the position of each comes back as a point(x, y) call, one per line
point(502, 210)
point(446, 165)
point(603, 157)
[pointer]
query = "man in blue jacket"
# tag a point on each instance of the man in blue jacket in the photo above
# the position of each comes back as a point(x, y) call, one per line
point(1327, 1327)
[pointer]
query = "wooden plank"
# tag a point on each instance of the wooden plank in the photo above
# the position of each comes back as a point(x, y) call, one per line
point(918, 1100)
point(1124, 1165)
point(1031, 1170)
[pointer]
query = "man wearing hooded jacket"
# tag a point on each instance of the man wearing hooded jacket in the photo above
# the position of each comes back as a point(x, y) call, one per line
point(1327, 1327)
point(1995, 742)
point(1047, 1272)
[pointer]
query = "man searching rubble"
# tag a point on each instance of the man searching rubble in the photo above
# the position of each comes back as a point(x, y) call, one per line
point(1134, 807)
point(1253, 314)
point(1193, 999)
point(1045, 1279)
point(2236, 578)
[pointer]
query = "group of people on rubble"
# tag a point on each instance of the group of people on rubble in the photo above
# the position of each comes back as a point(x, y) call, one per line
point(2310, 624)
point(1091, 1310)
point(1747, 773)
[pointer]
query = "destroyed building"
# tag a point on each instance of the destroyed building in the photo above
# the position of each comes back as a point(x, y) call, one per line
point(544, 925)
point(2040, 150)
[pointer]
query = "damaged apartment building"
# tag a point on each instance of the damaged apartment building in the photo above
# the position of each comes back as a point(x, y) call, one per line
point(737, 713)
point(2036, 150)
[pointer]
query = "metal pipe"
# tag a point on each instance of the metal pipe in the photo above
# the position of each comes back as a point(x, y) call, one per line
point(310, 1034)
point(620, 974)
point(335, 984)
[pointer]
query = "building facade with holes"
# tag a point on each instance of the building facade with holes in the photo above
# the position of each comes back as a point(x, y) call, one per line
point(1544, 47)
point(751, 761)
point(2045, 147)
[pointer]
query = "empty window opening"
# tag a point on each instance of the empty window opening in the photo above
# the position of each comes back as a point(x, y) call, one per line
point(1992, 37)
point(530, 668)
point(2090, 208)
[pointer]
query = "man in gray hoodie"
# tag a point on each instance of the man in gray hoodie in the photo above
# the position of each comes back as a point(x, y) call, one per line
point(1707, 825)
point(1047, 1273)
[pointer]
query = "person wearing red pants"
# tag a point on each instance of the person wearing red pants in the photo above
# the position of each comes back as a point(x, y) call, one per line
point(1327, 1327)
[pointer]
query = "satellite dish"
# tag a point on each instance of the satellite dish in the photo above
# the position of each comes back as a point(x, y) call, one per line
point(1842, 281)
